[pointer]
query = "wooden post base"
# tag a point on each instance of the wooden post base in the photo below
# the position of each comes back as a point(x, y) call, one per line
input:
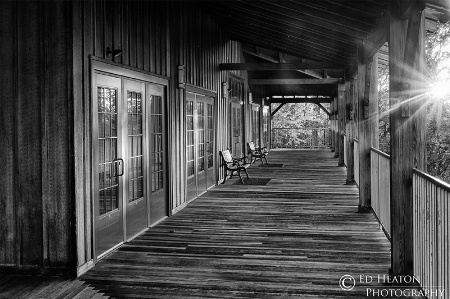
point(364, 209)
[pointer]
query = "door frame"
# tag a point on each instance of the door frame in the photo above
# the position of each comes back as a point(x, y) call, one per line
point(109, 68)
point(233, 77)
point(207, 93)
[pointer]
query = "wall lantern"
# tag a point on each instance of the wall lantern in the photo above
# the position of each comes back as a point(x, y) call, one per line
point(350, 111)
point(224, 90)
point(114, 53)
point(181, 77)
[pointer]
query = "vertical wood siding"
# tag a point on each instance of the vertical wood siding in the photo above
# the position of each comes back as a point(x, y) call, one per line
point(45, 203)
point(37, 198)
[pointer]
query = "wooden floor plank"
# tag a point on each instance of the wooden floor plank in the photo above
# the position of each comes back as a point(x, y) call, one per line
point(294, 237)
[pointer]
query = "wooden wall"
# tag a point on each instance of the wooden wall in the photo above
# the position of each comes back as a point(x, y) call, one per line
point(36, 136)
point(141, 31)
point(45, 198)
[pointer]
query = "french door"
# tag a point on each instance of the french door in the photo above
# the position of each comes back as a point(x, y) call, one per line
point(129, 155)
point(255, 124)
point(236, 117)
point(200, 158)
point(108, 163)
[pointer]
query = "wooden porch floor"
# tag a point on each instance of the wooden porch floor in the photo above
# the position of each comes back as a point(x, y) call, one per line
point(294, 237)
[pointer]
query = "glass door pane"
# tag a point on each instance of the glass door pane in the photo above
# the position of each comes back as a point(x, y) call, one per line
point(108, 207)
point(157, 133)
point(135, 153)
point(136, 158)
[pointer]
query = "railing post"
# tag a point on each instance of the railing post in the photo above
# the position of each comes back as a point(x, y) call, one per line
point(407, 121)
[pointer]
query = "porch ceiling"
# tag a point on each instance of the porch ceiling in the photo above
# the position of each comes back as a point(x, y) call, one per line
point(288, 31)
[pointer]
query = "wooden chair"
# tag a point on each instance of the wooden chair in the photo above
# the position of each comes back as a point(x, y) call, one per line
point(233, 165)
point(257, 153)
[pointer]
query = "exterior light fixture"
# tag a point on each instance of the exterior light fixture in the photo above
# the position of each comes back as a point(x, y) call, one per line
point(114, 53)
point(181, 77)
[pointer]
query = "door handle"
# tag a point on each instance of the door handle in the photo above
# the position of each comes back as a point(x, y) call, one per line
point(118, 163)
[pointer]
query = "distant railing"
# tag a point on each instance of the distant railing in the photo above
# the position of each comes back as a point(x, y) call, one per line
point(381, 187)
point(301, 138)
point(345, 150)
point(431, 232)
point(356, 160)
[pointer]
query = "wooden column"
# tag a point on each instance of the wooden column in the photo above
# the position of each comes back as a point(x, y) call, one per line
point(349, 131)
point(341, 122)
point(407, 121)
point(374, 105)
point(336, 131)
point(367, 123)
point(332, 125)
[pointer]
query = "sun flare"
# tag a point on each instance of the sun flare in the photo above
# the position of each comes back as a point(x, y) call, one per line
point(440, 89)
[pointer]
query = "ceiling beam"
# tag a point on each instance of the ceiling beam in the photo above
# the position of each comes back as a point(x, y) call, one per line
point(377, 38)
point(323, 108)
point(261, 55)
point(279, 66)
point(283, 46)
point(294, 81)
point(277, 109)
point(311, 100)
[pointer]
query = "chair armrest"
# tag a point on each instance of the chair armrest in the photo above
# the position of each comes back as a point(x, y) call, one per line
point(240, 161)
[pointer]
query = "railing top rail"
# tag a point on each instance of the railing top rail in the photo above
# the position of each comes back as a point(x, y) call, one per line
point(380, 152)
point(432, 179)
point(302, 128)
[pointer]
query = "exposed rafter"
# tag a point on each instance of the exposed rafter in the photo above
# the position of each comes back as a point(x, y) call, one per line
point(280, 66)
point(323, 108)
point(258, 53)
point(277, 109)
point(304, 100)
point(294, 81)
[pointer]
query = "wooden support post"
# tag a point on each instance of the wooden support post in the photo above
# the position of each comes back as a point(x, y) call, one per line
point(332, 125)
point(367, 123)
point(349, 131)
point(336, 131)
point(341, 122)
point(407, 121)
point(374, 104)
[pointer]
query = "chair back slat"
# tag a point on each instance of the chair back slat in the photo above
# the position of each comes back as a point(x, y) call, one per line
point(251, 145)
point(227, 156)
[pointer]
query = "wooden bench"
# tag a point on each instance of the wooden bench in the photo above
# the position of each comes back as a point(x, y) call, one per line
point(233, 165)
point(257, 153)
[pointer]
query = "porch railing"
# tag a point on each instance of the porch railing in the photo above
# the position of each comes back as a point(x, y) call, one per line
point(301, 137)
point(380, 191)
point(356, 160)
point(431, 232)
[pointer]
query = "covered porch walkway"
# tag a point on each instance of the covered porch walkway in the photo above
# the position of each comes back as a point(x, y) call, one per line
point(295, 236)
